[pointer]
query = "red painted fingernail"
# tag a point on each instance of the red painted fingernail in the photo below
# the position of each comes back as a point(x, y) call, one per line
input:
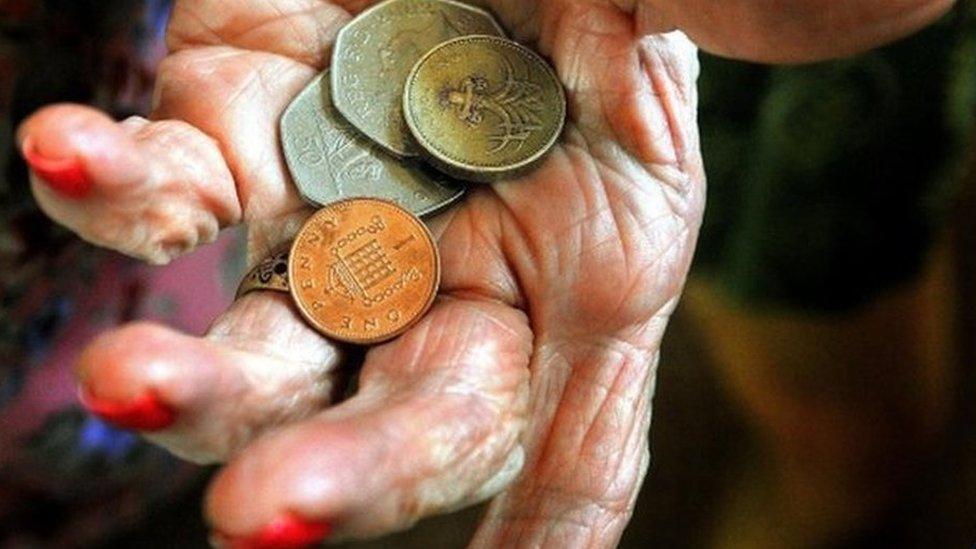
point(65, 175)
point(146, 413)
point(285, 532)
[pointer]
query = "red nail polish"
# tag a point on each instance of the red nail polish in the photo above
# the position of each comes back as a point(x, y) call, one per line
point(285, 532)
point(146, 413)
point(65, 175)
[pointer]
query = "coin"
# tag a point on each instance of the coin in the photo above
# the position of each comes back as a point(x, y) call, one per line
point(363, 270)
point(484, 108)
point(329, 160)
point(374, 53)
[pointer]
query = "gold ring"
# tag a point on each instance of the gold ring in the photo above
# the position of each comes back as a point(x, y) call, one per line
point(270, 275)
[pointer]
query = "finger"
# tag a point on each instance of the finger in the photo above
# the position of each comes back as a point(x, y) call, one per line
point(152, 190)
point(434, 425)
point(793, 31)
point(206, 398)
point(237, 98)
point(303, 30)
point(602, 280)
point(587, 454)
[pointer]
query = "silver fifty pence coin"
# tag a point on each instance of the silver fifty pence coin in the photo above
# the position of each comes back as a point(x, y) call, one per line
point(374, 54)
point(330, 161)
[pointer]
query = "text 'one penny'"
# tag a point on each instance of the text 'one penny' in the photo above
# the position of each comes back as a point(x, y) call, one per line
point(363, 270)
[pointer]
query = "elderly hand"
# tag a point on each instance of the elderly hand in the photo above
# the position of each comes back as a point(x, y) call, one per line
point(531, 378)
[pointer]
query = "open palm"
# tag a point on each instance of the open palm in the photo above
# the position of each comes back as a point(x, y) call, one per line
point(533, 374)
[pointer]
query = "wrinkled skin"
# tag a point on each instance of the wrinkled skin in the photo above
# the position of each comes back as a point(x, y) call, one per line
point(532, 377)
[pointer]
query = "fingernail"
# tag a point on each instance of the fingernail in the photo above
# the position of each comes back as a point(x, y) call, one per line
point(285, 532)
point(146, 413)
point(65, 175)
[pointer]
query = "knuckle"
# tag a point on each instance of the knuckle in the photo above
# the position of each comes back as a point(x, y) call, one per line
point(158, 233)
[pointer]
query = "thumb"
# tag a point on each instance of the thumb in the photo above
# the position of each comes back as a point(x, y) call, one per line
point(795, 31)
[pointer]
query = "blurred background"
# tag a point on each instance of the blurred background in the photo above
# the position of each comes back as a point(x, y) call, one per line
point(817, 383)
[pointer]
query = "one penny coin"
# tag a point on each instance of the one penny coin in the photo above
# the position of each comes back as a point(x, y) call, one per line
point(363, 270)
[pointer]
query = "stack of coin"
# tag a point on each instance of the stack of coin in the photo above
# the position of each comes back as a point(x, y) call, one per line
point(423, 97)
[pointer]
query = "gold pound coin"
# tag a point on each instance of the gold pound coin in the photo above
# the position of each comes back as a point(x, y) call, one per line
point(376, 50)
point(484, 108)
point(363, 270)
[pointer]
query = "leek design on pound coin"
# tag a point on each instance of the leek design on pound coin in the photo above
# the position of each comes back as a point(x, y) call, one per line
point(363, 270)
point(330, 161)
point(374, 53)
point(484, 108)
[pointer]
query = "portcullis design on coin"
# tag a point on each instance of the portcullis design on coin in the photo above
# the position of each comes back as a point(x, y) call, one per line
point(375, 51)
point(363, 270)
point(330, 161)
point(484, 108)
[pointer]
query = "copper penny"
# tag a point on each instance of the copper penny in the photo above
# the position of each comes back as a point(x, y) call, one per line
point(363, 270)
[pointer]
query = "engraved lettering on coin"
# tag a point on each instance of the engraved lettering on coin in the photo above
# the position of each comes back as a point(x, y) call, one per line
point(370, 275)
point(374, 54)
point(330, 161)
point(484, 108)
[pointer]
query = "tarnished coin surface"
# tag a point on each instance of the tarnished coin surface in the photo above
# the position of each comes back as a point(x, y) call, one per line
point(363, 270)
point(329, 160)
point(483, 107)
point(375, 51)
